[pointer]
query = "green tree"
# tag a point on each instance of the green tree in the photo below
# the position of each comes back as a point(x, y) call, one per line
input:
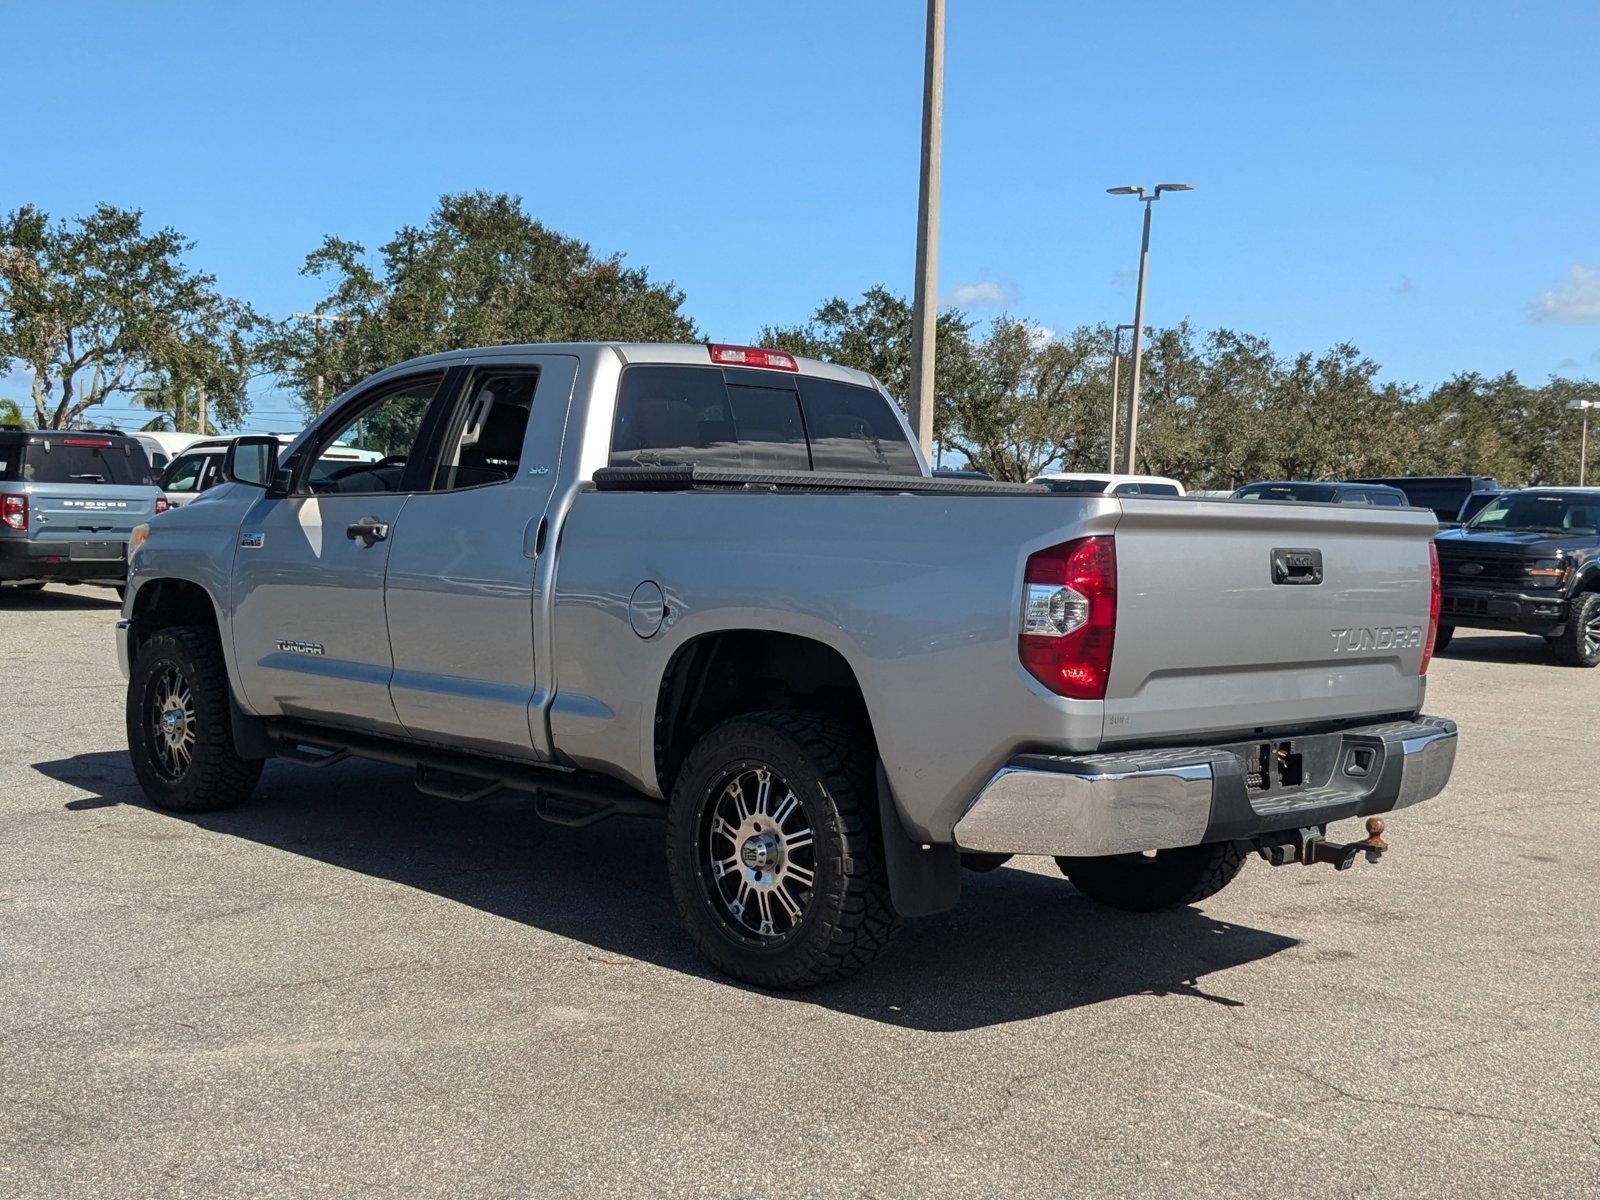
point(97, 307)
point(480, 272)
point(176, 403)
point(873, 334)
point(11, 413)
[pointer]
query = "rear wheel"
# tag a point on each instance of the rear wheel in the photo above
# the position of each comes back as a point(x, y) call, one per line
point(1160, 879)
point(36, 585)
point(775, 851)
point(180, 734)
point(1442, 636)
point(1579, 644)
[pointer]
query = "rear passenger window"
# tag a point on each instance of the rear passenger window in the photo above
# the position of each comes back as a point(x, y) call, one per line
point(1385, 500)
point(1353, 498)
point(852, 430)
point(675, 415)
point(669, 415)
point(486, 443)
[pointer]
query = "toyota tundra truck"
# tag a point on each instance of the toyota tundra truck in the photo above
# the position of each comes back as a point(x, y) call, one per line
point(719, 585)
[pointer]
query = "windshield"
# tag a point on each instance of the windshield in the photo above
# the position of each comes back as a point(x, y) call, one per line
point(1304, 492)
point(1542, 512)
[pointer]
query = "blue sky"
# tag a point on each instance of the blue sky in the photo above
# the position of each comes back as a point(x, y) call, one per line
point(1422, 179)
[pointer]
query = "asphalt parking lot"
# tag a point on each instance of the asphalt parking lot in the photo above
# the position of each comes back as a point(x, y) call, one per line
point(349, 989)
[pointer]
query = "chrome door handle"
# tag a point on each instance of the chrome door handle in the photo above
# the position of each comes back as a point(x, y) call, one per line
point(369, 530)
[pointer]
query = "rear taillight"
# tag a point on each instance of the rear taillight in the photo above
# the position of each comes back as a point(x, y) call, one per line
point(162, 504)
point(14, 511)
point(753, 356)
point(1069, 616)
point(1433, 608)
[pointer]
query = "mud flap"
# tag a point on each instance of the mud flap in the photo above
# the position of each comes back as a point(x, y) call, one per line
point(923, 879)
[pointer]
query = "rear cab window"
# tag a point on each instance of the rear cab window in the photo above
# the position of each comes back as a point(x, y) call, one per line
point(755, 420)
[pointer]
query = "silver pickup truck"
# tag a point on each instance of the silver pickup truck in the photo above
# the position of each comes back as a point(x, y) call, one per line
point(719, 584)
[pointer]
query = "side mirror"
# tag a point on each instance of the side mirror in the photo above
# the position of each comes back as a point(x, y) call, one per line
point(252, 460)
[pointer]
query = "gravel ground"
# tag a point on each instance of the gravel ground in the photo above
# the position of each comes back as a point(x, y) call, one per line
point(348, 989)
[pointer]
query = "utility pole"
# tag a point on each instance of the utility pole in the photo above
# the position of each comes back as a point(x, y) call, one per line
point(202, 429)
point(1116, 395)
point(1584, 406)
point(925, 306)
point(1138, 306)
point(317, 319)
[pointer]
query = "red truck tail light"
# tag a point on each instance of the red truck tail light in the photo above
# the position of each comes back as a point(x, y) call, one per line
point(1433, 608)
point(92, 442)
point(14, 511)
point(162, 504)
point(1069, 616)
point(753, 356)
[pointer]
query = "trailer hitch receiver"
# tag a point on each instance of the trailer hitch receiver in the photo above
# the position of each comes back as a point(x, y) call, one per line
point(1311, 845)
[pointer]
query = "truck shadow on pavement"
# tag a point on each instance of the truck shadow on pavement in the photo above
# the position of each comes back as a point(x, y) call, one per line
point(1020, 945)
point(60, 599)
point(1509, 648)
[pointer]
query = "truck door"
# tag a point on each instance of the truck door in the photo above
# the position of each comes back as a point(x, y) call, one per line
point(470, 566)
point(308, 628)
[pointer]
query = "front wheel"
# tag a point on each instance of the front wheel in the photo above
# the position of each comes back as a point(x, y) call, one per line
point(1160, 879)
point(180, 732)
point(1579, 644)
point(775, 851)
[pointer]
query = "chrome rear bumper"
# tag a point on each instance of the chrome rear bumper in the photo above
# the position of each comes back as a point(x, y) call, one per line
point(1126, 802)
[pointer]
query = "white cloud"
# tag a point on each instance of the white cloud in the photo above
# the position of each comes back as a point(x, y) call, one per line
point(1041, 336)
point(1574, 301)
point(984, 294)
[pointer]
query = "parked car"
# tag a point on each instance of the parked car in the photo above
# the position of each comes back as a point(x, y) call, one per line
point(68, 501)
point(1089, 483)
point(1530, 563)
point(1446, 495)
point(1309, 492)
point(196, 470)
point(161, 447)
point(1474, 504)
point(719, 585)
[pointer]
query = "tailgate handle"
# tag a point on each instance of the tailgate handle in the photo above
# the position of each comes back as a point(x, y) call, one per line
point(1296, 566)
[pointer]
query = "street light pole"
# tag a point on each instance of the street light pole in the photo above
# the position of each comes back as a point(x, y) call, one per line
point(1116, 395)
point(1583, 442)
point(1138, 307)
point(924, 313)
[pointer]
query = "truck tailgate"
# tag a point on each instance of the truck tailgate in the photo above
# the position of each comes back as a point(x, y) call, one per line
point(1234, 617)
point(88, 512)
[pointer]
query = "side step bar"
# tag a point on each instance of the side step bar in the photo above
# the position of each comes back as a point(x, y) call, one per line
point(562, 795)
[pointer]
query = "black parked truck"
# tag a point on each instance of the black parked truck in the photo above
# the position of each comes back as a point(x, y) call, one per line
point(1450, 496)
point(1529, 562)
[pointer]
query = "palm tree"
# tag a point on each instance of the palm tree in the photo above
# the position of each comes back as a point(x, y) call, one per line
point(176, 404)
point(11, 413)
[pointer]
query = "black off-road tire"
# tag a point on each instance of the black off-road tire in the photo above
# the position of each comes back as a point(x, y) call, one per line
point(1579, 644)
point(1442, 637)
point(1149, 883)
point(216, 776)
point(848, 917)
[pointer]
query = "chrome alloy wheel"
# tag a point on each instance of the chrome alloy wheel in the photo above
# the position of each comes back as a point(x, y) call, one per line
point(759, 869)
point(172, 722)
point(1591, 635)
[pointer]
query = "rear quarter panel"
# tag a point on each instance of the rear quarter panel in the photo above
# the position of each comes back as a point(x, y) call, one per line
point(920, 594)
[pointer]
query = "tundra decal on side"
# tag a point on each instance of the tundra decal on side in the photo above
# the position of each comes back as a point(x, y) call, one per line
point(1382, 637)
